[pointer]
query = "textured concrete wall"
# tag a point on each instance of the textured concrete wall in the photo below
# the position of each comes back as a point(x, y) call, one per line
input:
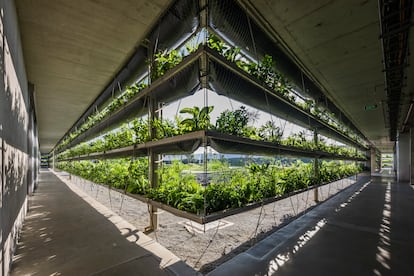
point(17, 134)
point(403, 157)
point(373, 159)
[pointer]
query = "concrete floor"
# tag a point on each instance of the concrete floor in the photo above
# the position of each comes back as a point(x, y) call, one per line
point(63, 235)
point(366, 230)
point(373, 236)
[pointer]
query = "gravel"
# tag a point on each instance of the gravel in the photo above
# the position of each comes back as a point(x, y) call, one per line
point(204, 248)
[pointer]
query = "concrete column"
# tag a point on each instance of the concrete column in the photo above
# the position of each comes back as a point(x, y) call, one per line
point(53, 160)
point(373, 160)
point(403, 157)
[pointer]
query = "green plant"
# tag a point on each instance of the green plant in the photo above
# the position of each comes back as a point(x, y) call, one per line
point(137, 179)
point(164, 61)
point(233, 122)
point(231, 188)
point(270, 132)
point(200, 118)
point(140, 128)
point(119, 139)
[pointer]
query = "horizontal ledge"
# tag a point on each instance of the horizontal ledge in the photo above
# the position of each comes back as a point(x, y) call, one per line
point(223, 143)
point(138, 100)
point(138, 104)
point(203, 219)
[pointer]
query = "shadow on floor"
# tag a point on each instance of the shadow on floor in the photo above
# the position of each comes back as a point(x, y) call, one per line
point(64, 235)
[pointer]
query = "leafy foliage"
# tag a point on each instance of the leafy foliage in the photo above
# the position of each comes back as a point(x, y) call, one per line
point(200, 119)
point(270, 132)
point(264, 71)
point(164, 61)
point(115, 104)
point(229, 188)
point(233, 122)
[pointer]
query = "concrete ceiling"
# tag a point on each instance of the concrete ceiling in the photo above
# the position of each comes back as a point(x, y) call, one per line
point(338, 42)
point(73, 49)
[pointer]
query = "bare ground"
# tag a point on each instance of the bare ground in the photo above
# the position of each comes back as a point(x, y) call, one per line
point(206, 248)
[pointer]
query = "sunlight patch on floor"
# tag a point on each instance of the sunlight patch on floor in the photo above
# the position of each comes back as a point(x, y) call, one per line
point(194, 227)
point(281, 259)
point(383, 255)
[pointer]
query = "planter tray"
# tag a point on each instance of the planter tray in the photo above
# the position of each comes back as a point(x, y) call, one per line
point(225, 79)
point(223, 143)
point(229, 80)
point(203, 219)
point(181, 81)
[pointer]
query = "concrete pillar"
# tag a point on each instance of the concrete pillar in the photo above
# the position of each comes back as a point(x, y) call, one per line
point(373, 160)
point(403, 157)
point(53, 160)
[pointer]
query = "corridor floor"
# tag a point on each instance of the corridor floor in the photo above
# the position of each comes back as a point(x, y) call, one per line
point(63, 235)
point(367, 232)
point(366, 229)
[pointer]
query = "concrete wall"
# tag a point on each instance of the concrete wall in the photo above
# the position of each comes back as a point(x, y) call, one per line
point(373, 163)
point(403, 157)
point(18, 135)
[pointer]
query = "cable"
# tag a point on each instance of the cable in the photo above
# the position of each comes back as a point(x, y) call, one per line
point(306, 202)
point(208, 245)
point(293, 207)
point(329, 189)
point(253, 236)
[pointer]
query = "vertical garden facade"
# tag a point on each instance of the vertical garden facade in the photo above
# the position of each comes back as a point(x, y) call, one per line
point(209, 118)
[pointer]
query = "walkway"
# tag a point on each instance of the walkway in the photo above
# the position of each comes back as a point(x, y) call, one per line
point(367, 229)
point(370, 233)
point(63, 235)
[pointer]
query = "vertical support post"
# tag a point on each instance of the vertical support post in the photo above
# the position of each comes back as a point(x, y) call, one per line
point(153, 161)
point(203, 77)
point(204, 70)
point(203, 13)
point(373, 161)
point(316, 169)
point(403, 157)
point(53, 160)
point(379, 165)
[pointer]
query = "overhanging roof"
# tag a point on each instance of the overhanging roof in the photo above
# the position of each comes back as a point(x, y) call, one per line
point(72, 51)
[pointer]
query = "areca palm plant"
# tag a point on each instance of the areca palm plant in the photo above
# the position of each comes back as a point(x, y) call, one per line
point(270, 132)
point(200, 118)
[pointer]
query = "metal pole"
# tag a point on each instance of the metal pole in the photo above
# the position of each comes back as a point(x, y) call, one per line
point(152, 164)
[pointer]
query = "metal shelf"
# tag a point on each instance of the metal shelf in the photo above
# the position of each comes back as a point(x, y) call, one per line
point(181, 81)
point(226, 79)
point(223, 143)
point(229, 80)
point(206, 218)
